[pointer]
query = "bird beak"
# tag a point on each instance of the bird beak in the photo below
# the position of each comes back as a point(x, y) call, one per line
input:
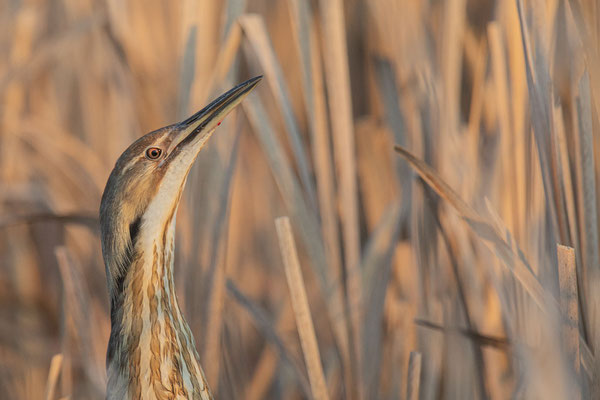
point(199, 127)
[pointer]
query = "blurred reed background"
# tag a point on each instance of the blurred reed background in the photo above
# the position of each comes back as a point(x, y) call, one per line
point(453, 258)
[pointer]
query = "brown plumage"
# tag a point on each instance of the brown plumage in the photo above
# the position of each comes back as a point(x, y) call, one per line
point(151, 351)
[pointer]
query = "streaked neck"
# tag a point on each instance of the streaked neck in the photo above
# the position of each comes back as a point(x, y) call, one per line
point(151, 352)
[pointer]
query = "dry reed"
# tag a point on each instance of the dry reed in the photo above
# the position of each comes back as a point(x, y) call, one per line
point(451, 255)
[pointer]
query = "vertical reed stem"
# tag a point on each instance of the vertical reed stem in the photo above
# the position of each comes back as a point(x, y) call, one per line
point(304, 321)
point(413, 376)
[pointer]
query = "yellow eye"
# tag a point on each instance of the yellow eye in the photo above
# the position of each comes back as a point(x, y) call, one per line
point(153, 153)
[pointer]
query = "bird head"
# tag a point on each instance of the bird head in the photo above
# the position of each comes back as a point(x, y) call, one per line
point(144, 188)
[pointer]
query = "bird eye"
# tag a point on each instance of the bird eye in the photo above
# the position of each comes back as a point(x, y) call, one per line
point(153, 153)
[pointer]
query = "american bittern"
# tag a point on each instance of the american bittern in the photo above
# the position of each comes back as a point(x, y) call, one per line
point(151, 351)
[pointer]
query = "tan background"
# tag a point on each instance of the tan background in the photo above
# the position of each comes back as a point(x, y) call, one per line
point(504, 106)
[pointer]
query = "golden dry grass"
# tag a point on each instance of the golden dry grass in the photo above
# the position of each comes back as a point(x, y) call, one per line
point(443, 252)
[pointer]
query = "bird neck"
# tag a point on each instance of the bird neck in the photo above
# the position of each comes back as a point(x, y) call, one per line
point(151, 351)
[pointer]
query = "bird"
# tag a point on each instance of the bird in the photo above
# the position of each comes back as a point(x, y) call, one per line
point(151, 352)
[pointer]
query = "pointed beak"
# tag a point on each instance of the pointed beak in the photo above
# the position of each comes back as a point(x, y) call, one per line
point(199, 127)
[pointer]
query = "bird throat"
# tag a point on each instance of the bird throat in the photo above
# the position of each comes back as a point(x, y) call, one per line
point(151, 351)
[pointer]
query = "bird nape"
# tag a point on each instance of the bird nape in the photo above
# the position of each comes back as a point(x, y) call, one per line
point(151, 352)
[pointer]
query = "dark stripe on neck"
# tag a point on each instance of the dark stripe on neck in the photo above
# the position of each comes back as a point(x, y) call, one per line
point(116, 304)
point(134, 230)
